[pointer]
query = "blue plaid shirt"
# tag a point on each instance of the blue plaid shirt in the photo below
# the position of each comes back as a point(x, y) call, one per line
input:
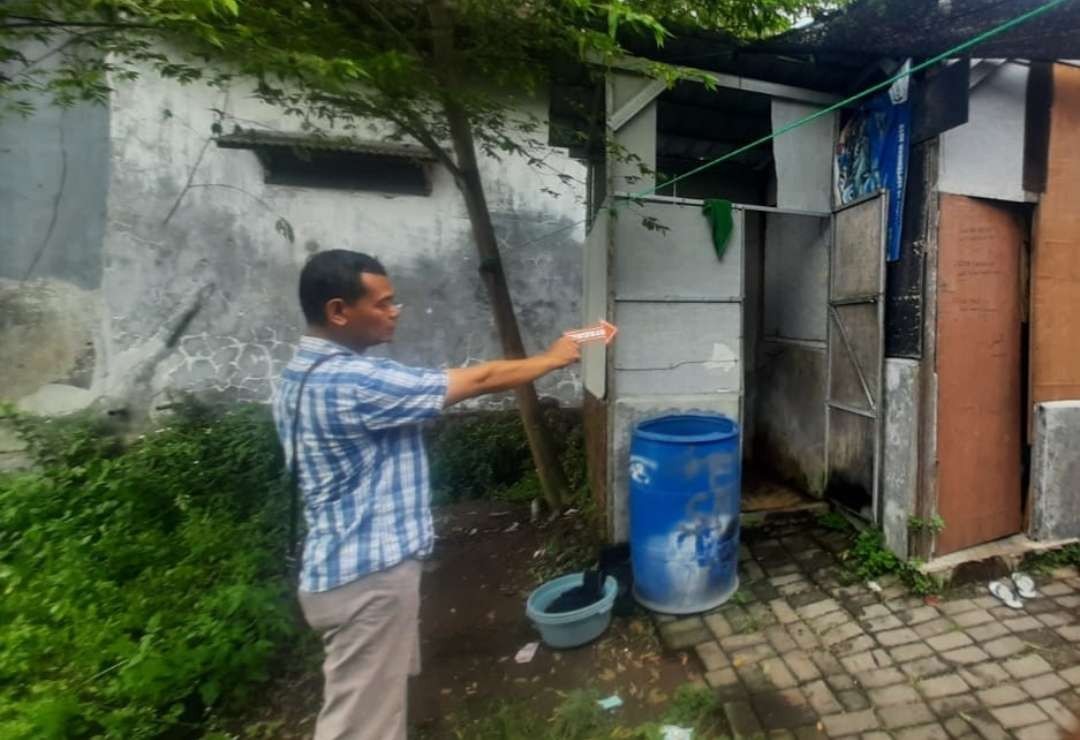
point(363, 471)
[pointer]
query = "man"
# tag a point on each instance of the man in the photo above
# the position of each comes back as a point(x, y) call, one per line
point(362, 470)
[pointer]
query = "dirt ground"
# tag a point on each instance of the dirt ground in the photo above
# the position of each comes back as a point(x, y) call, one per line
point(473, 623)
point(487, 560)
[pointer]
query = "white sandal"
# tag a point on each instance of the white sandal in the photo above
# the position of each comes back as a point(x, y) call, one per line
point(1025, 586)
point(1005, 594)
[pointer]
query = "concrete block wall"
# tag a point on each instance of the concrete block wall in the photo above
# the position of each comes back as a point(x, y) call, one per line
point(1055, 471)
point(900, 453)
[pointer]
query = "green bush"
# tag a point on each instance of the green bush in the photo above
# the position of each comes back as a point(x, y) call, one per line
point(486, 455)
point(142, 588)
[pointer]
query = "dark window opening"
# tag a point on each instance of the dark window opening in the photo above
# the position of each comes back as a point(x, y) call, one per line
point(312, 162)
point(344, 171)
point(695, 125)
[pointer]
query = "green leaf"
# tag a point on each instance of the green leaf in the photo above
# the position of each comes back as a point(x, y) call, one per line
point(209, 692)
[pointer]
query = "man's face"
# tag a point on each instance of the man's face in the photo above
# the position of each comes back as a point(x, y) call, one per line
point(370, 319)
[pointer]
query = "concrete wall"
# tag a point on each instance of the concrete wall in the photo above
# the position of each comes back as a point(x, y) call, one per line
point(985, 156)
point(789, 417)
point(191, 285)
point(796, 276)
point(52, 203)
point(678, 306)
point(637, 135)
point(1055, 471)
point(900, 453)
point(789, 379)
point(53, 166)
point(803, 156)
point(679, 310)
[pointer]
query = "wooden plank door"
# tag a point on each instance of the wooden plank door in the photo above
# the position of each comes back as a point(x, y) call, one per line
point(978, 355)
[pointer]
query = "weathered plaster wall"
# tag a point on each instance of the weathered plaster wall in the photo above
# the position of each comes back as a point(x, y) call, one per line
point(796, 276)
point(789, 419)
point(803, 156)
point(53, 166)
point(900, 453)
point(789, 379)
point(985, 156)
point(1055, 471)
point(197, 285)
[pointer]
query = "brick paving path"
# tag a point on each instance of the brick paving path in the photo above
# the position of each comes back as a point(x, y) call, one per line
point(798, 654)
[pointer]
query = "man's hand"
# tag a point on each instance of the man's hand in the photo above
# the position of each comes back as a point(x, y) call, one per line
point(564, 351)
point(501, 375)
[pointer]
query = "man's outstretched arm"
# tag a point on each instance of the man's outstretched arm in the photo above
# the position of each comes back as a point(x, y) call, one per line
point(501, 375)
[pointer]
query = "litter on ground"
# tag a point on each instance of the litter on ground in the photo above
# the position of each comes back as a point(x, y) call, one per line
point(610, 703)
point(527, 653)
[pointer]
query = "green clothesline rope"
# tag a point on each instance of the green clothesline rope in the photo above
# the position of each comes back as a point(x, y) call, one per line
point(1018, 20)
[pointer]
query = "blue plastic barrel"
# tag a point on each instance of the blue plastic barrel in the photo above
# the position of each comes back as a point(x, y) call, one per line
point(684, 512)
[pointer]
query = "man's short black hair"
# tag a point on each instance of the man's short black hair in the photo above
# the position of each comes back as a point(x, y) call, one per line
point(332, 274)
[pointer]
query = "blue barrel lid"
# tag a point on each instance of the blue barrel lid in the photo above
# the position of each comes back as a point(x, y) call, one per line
point(687, 428)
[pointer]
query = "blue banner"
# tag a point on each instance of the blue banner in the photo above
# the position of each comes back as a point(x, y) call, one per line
point(872, 153)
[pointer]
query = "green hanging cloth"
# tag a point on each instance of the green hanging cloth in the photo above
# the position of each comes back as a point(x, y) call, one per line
point(718, 211)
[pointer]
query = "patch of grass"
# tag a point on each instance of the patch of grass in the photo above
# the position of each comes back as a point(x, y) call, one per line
point(579, 717)
point(868, 559)
point(934, 524)
point(698, 707)
point(503, 721)
point(1048, 560)
point(835, 521)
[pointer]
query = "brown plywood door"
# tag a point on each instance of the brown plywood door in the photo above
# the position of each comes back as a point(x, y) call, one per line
point(1055, 266)
point(980, 421)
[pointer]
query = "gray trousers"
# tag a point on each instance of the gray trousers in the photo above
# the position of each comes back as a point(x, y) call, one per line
point(371, 638)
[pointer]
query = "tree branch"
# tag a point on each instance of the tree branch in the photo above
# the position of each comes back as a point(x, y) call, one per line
point(188, 185)
point(415, 129)
point(411, 125)
point(74, 39)
point(30, 22)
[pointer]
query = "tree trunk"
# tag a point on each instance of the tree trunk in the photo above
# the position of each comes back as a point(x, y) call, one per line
point(549, 469)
